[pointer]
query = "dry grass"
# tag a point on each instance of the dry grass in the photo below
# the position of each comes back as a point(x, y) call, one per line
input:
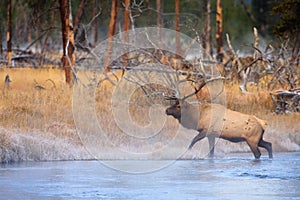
point(25, 106)
point(38, 124)
point(35, 123)
point(17, 145)
point(259, 103)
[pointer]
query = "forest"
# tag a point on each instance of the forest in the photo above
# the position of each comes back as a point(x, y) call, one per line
point(36, 25)
point(58, 56)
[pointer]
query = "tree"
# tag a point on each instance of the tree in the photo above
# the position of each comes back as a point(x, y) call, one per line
point(207, 32)
point(177, 27)
point(8, 55)
point(219, 31)
point(41, 18)
point(126, 15)
point(288, 24)
point(78, 16)
point(1, 47)
point(126, 27)
point(68, 59)
point(95, 10)
point(111, 32)
point(159, 21)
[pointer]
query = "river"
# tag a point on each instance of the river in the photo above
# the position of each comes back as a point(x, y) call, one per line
point(236, 176)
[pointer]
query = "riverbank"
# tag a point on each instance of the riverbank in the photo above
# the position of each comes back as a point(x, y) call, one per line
point(35, 145)
point(36, 121)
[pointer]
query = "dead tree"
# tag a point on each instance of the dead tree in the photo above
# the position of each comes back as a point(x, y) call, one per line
point(1, 47)
point(111, 32)
point(286, 101)
point(9, 52)
point(285, 70)
point(177, 26)
point(159, 20)
point(219, 32)
point(78, 16)
point(126, 27)
point(68, 59)
point(37, 34)
point(207, 34)
point(126, 15)
point(95, 10)
point(243, 66)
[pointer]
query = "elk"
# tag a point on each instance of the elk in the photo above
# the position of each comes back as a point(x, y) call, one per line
point(226, 124)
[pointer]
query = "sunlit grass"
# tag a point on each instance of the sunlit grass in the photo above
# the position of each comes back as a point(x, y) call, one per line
point(26, 106)
point(33, 120)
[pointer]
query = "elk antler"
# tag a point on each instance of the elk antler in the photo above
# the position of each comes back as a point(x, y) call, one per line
point(201, 86)
point(173, 98)
point(177, 99)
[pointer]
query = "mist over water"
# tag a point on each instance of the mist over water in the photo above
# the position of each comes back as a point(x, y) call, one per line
point(41, 146)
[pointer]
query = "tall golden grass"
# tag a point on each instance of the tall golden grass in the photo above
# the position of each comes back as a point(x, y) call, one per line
point(31, 114)
point(36, 123)
point(25, 105)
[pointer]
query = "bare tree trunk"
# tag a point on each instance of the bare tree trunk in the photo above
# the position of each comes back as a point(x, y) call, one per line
point(78, 16)
point(1, 38)
point(177, 27)
point(113, 18)
point(28, 31)
point(255, 33)
point(9, 53)
point(207, 28)
point(111, 32)
point(40, 64)
point(126, 15)
point(41, 59)
point(148, 12)
point(1, 47)
point(219, 31)
point(159, 12)
point(159, 21)
point(37, 35)
point(95, 22)
point(126, 27)
point(68, 59)
point(246, 72)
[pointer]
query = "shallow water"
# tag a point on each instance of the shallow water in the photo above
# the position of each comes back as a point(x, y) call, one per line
point(236, 176)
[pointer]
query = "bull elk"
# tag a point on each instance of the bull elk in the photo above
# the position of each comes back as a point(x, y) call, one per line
point(237, 127)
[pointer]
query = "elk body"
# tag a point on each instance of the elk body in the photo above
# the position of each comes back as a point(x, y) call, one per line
point(214, 120)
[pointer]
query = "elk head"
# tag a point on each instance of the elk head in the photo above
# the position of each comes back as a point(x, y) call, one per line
point(174, 109)
point(179, 104)
point(186, 113)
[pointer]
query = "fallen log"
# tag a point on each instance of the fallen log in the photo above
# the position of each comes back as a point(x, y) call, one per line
point(286, 101)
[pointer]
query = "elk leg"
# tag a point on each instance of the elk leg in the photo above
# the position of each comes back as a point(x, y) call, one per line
point(266, 145)
point(197, 138)
point(255, 150)
point(211, 141)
